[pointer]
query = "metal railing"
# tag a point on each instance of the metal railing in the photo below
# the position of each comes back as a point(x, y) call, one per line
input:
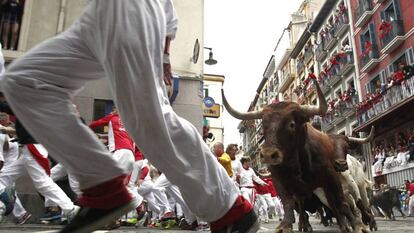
point(396, 29)
point(341, 23)
point(363, 6)
point(389, 98)
point(373, 54)
point(320, 52)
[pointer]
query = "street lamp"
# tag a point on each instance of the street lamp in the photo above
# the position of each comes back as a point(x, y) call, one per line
point(210, 60)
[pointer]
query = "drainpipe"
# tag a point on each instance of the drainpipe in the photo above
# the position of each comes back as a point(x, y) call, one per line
point(61, 19)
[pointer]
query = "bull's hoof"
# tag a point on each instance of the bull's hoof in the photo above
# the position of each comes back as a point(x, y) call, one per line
point(306, 229)
point(284, 228)
point(340, 165)
point(373, 225)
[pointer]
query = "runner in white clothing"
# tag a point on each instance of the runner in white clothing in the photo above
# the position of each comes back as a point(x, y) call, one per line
point(246, 178)
point(123, 41)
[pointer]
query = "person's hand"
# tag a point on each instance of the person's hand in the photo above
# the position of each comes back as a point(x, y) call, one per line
point(167, 70)
point(140, 181)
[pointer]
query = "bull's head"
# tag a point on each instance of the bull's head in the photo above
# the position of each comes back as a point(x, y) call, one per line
point(283, 125)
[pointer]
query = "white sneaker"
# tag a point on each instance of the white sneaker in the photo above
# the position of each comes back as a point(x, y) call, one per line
point(68, 216)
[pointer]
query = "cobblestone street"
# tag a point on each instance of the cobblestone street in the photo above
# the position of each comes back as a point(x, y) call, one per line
point(384, 226)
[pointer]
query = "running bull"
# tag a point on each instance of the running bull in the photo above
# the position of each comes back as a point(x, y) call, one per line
point(301, 159)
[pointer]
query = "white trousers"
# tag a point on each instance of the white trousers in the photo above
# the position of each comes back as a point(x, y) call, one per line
point(279, 207)
point(123, 42)
point(261, 206)
point(156, 197)
point(174, 192)
point(41, 181)
point(249, 194)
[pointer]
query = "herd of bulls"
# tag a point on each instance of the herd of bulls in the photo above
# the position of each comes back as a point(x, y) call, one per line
point(305, 162)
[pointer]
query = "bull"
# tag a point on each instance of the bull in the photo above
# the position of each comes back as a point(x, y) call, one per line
point(387, 200)
point(301, 159)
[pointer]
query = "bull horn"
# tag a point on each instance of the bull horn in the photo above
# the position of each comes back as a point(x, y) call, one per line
point(364, 140)
point(312, 110)
point(242, 116)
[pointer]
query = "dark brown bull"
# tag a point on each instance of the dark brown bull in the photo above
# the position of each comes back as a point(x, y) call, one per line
point(301, 159)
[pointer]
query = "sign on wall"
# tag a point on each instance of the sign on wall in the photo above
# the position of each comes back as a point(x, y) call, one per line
point(213, 111)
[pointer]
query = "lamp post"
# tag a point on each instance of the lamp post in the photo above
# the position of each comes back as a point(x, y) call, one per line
point(210, 60)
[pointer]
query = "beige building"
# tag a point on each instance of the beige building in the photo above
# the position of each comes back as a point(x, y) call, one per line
point(213, 116)
point(43, 19)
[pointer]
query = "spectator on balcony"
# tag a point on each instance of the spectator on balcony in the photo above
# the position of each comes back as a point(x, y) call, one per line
point(402, 156)
point(406, 69)
point(367, 48)
point(384, 28)
point(11, 13)
point(343, 9)
point(378, 160)
point(411, 146)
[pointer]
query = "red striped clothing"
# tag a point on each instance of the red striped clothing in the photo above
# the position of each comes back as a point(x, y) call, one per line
point(118, 137)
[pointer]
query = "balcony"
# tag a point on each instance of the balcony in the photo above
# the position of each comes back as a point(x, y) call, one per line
point(288, 74)
point(341, 26)
point(393, 38)
point(346, 64)
point(300, 66)
point(329, 40)
point(388, 101)
point(320, 52)
point(364, 12)
point(340, 113)
point(334, 79)
point(308, 54)
point(370, 60)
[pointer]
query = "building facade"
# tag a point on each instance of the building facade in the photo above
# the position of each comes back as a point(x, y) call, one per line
point(280, 78)
point(39, 20)
point(384, 38)
point(43, 19)
point(212, 108)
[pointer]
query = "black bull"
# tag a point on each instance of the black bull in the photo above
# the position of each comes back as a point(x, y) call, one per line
point(301, 159)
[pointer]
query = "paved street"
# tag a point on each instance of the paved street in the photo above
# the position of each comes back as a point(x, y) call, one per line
point(385, 226)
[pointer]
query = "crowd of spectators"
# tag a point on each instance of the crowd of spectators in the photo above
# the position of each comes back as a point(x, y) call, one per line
point(399, 86)
point(393, 154)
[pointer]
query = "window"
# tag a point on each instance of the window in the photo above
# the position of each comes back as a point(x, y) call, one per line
point(389, 13)
point(392, 12)
point(338, 92)
point(11, 12)
point(368, 37)
point(410, 56)
point(374, 85)
point(394, 66)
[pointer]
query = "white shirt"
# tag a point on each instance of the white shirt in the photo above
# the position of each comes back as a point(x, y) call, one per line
point(171, 18)
point(236, 166)
point(248, 176)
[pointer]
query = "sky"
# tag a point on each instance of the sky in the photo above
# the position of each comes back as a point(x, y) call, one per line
point(243, 35)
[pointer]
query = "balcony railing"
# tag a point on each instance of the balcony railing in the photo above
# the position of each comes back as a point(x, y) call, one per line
point(341, 25)
point(370, 59)
point(300, 66)
point(363, 12)
point(339, 113)
point(392, 36)
point(388, 99)
point(346, 63)
point(329, 39)
point(320, 52)
point(308, 54)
